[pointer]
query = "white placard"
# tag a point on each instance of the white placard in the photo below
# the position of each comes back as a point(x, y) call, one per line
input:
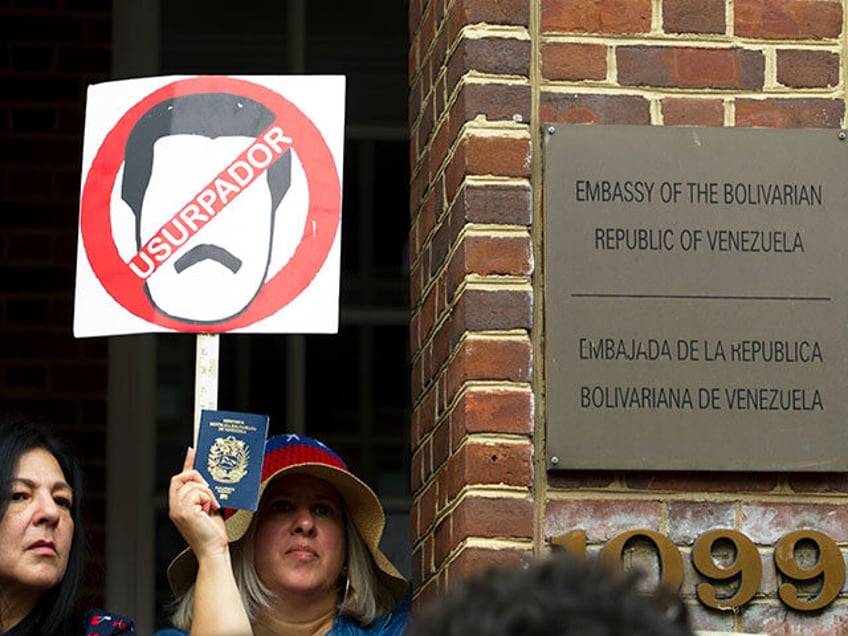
point(211, 204)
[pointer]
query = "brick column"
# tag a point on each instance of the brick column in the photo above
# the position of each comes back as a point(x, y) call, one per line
point(484, 76)
point(471, 293)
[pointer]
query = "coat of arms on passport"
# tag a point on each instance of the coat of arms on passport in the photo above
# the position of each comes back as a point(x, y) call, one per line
point(230, 451)
point(228, 460)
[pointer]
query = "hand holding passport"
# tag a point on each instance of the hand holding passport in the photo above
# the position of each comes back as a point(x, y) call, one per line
point(230, 451)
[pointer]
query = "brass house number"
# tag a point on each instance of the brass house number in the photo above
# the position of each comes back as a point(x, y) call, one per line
point(802, 586)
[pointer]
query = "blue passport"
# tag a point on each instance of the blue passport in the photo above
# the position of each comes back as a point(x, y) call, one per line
point(230, 451)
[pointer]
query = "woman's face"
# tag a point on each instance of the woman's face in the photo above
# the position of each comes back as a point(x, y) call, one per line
point(37, 530)
point(299, 544)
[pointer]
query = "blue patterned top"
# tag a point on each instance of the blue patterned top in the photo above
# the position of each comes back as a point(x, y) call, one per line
point(392, 624)
point(95, 622)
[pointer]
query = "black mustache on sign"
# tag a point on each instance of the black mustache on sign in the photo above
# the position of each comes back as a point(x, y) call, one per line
point(206, 251)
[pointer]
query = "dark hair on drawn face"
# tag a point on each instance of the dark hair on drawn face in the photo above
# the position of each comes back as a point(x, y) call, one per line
point(20, 433)
point(211, 115)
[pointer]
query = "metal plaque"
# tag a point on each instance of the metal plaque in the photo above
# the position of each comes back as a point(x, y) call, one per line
point(695, 298)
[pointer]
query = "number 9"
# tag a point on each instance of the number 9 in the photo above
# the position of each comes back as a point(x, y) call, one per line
point(830, 566)
point(747, 566)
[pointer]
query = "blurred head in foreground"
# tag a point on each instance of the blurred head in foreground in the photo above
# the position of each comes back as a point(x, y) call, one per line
point(559, 596)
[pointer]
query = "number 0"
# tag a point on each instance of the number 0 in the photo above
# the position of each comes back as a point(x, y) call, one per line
point(671, 563)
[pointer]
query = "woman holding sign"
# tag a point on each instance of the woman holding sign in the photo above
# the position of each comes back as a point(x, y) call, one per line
point(307, 563)
point(42, 538)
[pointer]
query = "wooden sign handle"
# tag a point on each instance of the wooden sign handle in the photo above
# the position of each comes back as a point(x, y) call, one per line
point(205, 377)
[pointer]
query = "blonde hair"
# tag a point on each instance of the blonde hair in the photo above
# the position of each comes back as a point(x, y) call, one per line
point(365, 599)
point(368, 598)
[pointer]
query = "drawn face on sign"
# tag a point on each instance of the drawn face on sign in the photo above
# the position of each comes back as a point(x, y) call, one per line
point(173, 163)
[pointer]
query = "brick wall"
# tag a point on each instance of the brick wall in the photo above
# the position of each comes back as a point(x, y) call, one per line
point(472, 293)
point(50, 51)
point(484, 76)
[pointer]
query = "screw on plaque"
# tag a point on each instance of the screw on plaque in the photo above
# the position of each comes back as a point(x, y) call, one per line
point(551, 130)
point(554, 460)
point(842, 135)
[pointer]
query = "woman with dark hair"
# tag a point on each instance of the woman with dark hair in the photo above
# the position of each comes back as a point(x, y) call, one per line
point(42, 537)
